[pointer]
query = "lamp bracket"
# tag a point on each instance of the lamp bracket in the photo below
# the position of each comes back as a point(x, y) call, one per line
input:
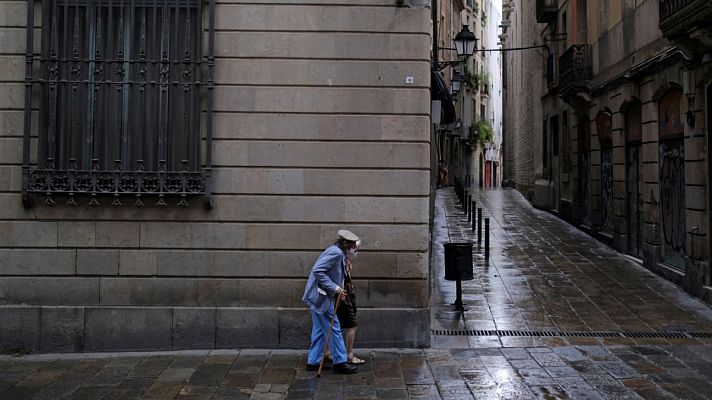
point(439, 66)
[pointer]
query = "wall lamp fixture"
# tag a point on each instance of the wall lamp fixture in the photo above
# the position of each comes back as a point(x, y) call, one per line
point(456, 82)
point(465, 44)
point(689, 92)
point(412, 3)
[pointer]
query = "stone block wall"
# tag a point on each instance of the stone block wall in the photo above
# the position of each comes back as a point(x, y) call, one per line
point(316, 130)
point(525, 73)
point(613, 57)
point(638, 71)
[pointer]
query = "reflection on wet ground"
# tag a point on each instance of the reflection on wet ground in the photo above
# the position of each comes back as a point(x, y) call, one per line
point(543, 276)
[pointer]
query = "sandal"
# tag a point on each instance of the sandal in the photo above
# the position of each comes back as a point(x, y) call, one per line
point(356, 361)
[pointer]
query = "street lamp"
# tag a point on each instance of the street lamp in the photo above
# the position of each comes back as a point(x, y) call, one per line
point(465, 44)
point(456, 82)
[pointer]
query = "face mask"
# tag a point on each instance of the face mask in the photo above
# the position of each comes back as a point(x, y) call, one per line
point(353, 253)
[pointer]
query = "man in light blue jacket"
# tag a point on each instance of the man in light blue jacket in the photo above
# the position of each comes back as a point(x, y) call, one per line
point(325, 283)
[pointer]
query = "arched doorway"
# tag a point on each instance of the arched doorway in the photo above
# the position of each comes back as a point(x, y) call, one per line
point(672, 179)
point(634, 179)
point(604, 126)
point(709, 176)
point(584, 169)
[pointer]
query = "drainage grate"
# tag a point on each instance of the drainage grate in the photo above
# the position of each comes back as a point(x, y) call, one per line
point(706, 335)
point(511, 333)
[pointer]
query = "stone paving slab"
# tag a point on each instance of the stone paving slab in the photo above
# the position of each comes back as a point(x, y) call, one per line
point(542, 275)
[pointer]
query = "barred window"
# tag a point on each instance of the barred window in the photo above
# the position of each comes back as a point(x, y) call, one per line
point(122, 85)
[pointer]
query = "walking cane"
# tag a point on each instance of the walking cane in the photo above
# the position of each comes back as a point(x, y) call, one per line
point(328, 336)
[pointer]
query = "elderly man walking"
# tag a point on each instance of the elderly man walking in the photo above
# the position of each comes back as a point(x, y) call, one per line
point(326, 281)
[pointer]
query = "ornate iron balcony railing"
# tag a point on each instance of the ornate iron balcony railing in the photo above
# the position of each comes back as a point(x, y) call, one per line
point(575, 65)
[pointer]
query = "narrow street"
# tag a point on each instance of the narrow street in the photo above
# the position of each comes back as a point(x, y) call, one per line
point(553, 314)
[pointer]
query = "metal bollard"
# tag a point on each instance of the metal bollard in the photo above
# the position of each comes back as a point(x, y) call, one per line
point(469, 208)
point(479, 225)
point(487, 238)
point(474, 220)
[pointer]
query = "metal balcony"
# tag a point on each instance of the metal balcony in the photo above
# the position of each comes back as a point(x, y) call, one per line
point(680, 17)
point(546, 10)
point(575, 69)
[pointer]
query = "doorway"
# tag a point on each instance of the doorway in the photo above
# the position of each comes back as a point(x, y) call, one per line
point(604, 125)
point(584, 167)
point(672, 179)
point(554, 176)
point(709, 174)
point(633, 179)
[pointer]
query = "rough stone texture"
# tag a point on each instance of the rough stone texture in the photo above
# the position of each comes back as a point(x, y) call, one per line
point(323, 182)
point(136, 262)
point(388, 293)
point(77, 234)
point(300, 154)
point(149, 291)
point(19, 328)
point(11, 181)
point(294, 327)
point(319, 72)
point(117, 234)
point(393, 327)
point(194, 328)
point(127, 328)
point(297, 18)
point(247, 328)
point(62, 329)
point(319, 132)
point(37, 262)
point(250, 292)
point(322, 127)
point(49, 290)
point(97, 262)
point(317, 45)
point(28, 234)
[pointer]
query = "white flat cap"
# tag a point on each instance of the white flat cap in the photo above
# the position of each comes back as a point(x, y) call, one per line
point(347, 235)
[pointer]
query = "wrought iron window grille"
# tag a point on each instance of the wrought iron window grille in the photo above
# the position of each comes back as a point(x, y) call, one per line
point(123, 87)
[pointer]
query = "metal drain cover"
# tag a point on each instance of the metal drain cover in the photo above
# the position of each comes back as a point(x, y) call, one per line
point(449, 315)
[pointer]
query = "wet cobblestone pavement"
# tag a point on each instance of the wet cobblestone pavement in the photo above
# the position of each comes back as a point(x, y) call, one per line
point(618, 332)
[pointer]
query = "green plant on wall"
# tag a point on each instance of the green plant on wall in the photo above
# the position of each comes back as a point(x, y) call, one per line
point(481, 132)
point(485, 81)
point(472, 80)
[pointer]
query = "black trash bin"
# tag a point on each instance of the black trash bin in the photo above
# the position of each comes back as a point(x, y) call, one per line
point(458, 262)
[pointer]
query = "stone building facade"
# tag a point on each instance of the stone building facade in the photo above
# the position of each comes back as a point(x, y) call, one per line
point(521, 115)
point(306, 118)
point(457, 145)
point(624, 97)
